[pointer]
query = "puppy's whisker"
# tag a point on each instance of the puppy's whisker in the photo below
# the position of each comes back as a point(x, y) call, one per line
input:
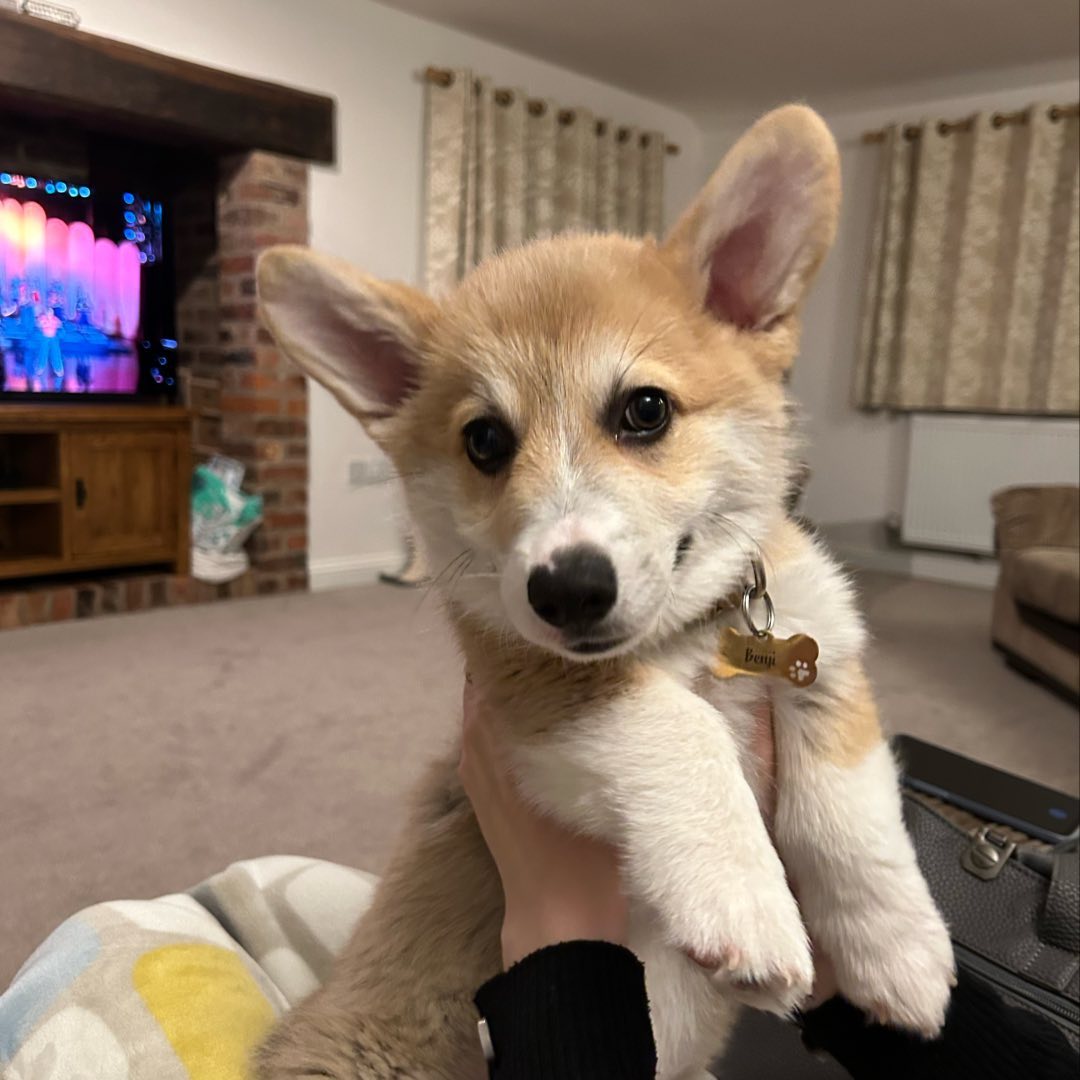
point(455, 578)
point(438, 578)
point(448, 568)
point(626, 365)
point(661, 331)
point(623, 369)
point(746, 542)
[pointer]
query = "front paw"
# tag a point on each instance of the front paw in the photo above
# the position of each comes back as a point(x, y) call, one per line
point(756, 949)
point(895, 962)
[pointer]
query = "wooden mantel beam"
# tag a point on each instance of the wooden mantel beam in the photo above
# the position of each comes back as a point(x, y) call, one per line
point(124, 89)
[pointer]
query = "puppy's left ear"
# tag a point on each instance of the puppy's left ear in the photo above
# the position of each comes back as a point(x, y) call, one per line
point(755, 236)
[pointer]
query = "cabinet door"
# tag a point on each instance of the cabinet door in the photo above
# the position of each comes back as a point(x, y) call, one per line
point(123, 493)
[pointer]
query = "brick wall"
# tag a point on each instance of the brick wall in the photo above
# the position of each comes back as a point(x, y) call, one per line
point(262, 201)
point(26, 604)
point(248, 402)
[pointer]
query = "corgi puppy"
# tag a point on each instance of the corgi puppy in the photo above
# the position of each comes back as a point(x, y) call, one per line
point(595, 446)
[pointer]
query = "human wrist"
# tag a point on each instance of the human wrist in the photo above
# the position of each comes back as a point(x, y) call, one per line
point(527, 929)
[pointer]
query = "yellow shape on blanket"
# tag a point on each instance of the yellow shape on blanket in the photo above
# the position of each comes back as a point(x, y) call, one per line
point(210, 1008)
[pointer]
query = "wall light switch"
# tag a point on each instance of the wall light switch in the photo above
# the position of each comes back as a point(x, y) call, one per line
point(364, 472)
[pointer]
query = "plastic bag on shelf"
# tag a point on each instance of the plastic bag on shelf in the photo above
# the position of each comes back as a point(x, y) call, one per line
point(222, 518)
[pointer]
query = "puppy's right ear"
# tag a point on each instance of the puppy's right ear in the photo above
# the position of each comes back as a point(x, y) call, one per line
point(358, 336)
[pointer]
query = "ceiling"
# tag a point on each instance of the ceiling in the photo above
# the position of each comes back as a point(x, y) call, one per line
point(708, 56)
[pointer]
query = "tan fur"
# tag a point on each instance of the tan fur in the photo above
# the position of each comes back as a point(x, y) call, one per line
point(850, 728)
point(544, 308)
point(431, 937)
point(434, 923)
point(543, 336)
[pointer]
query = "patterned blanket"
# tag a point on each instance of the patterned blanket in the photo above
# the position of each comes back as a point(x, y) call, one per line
point(182, 987)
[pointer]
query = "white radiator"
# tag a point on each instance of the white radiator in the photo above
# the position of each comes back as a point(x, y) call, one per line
point(955, 463)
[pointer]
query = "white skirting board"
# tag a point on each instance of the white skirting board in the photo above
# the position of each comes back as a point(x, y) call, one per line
point(955, 463)
point(341, 571)
point(872, 545)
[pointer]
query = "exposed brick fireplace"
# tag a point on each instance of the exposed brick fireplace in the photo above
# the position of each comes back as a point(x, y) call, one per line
point(246, 401)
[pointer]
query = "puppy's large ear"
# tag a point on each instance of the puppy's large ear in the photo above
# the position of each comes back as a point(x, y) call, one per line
point(760, 227)
point(358, 336)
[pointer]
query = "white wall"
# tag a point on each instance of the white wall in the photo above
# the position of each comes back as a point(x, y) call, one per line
point(859, 459)
point(367, 208)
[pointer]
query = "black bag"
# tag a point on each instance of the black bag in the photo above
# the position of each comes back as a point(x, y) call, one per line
point(1013, 911)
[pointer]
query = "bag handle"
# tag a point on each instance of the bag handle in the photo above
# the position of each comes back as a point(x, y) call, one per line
point(1060, 922)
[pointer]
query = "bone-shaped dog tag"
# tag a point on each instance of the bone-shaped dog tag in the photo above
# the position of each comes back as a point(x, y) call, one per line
point(793, 658)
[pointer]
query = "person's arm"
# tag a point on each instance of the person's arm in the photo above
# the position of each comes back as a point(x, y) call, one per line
point(575, 1010)
point(983, 1037)
point(571, 1003)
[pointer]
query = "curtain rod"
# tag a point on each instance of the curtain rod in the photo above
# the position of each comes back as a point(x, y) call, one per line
point(445, 77)
point(998, 120)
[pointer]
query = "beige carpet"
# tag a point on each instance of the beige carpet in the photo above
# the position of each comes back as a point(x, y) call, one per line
point(140, 753)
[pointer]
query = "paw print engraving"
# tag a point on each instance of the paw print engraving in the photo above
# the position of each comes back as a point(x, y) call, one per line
point(799, 671)
point(797, 659)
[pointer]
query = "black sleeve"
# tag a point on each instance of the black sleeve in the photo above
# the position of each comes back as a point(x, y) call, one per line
point(983, 1037)
point(576, 1011)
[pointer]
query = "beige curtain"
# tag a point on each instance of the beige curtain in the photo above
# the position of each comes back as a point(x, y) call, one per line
point(971, 300)
point(502, 169)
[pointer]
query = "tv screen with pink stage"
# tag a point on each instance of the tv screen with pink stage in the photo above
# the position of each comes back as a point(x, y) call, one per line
point(77, 310)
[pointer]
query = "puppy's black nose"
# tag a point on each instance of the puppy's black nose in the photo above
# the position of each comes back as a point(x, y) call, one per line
point(578, 589)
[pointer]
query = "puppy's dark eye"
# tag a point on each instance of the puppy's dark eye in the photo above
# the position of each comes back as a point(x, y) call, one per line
point(489, 444)
point(646, 414)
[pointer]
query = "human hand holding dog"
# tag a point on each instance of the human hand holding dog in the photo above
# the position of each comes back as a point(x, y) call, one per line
point(559, 885)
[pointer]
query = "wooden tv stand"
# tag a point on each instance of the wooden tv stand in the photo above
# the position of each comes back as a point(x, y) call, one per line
point(90, 487)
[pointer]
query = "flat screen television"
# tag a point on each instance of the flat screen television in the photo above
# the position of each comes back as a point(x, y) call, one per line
point(86, 299)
